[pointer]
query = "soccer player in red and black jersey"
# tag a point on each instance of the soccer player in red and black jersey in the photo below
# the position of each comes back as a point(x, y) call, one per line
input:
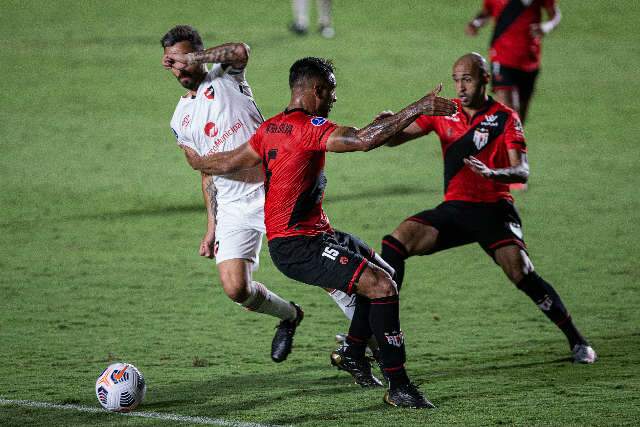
point(291, 147)
point(484, 151)
point(515, 46)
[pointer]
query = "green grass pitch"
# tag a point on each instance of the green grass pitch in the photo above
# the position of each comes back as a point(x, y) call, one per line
point(100, 220)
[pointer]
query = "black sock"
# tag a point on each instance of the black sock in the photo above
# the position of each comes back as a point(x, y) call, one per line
point(394, 253)
point(384, 318)
point(546, 298)
point(359, 330)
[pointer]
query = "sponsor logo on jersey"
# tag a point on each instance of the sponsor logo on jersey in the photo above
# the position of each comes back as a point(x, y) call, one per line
point(211, 130)
point(210, 93)
point(318, 121)
point(285, 128)
point(480, 138)
point(395, 340)
point(453, 118)
point(186, 121)
point(224, 136)
point(490, 120)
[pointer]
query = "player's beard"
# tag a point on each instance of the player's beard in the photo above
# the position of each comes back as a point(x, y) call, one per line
point(187, 80)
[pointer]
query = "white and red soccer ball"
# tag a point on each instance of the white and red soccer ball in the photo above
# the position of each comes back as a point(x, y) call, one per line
point(120, 387)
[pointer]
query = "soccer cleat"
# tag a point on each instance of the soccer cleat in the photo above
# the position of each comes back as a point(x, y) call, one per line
point(327, 31)
point(298, 29)
point(360, 369)
point(370, 354)
point(283, 339)
point(407, 396)
point(584, 353)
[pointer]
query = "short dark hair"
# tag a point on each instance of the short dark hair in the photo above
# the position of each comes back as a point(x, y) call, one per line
point(310, 67)
point(181, 33)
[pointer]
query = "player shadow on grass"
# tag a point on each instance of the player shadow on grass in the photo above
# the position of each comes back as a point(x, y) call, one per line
point(247, 393)
point(154, 211)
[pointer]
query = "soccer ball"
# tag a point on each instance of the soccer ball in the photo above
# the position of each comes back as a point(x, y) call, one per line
point(120, 387)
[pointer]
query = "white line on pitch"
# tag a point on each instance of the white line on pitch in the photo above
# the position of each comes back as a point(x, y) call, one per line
point(141, 414)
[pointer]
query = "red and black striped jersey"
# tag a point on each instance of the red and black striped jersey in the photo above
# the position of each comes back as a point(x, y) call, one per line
point(292, 145)
point(488, 136)
point(512, 44)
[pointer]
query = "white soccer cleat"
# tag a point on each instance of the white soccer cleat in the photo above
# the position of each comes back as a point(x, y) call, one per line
point(583, 353)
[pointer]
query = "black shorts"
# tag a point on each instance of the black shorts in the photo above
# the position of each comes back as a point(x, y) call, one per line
point(505, 77)
point(331, 261)
point(492, 225)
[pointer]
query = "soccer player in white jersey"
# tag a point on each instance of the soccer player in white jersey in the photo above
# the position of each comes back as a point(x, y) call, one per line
point(218, 113)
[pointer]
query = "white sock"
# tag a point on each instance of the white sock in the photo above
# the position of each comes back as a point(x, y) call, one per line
point(347, 303)
point(324, 12)
point(262, 300)
point(300, 13)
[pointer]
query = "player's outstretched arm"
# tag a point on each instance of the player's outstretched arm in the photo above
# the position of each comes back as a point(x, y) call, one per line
point(243, 157)
point(235, 54)
point(479, 21)
point(544, 28)
point(376, 133)
point(517, 173)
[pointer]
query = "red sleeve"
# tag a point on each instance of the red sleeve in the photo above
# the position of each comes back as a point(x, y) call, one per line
point(318, 131)
point(549, 4)
point(488, 6)
point(255, 141)
point(514, 134)
point(426, 123)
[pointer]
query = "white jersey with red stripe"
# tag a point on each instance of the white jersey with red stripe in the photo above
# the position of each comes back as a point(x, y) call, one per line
point(220, 117)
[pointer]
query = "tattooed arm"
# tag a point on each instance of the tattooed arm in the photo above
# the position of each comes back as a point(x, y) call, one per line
point(209, 192)
point(376, 133)
point(235, 54)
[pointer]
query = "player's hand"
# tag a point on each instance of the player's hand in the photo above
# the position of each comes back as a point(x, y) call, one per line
point(478, 167)
point(434, 105)
point(207, 246)
point(383, 115)
point(536, 30)
point(471, 30)
point(179, 61)
point(193, 158)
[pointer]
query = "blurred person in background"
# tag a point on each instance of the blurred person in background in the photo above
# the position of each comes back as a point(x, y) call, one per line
point(300, 24)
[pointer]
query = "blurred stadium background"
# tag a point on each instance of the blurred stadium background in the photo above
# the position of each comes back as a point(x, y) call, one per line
point(100, 220)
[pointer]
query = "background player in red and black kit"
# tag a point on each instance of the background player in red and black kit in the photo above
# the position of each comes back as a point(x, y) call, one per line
point(291, 147)
point(515, 46)
point(484, 151)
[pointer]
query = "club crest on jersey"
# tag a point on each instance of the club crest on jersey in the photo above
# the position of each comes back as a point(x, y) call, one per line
point(480, 138)
point(318, 121)
point(210, 129)
point(210, 93)
point(186, 120)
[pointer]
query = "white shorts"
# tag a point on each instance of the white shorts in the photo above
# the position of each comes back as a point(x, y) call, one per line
point(239, 229)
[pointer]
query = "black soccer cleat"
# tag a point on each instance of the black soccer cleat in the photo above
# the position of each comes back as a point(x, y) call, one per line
point(407, 396)
point(360, 369)
point(283, 339)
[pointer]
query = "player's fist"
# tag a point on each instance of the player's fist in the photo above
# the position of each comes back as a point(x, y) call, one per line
point(207, 245)
point(471, 30)
point(478, 167)
point(434, 105)
point(179, 61)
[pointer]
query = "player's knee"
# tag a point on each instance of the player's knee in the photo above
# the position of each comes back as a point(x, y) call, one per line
point(377, 284)
point(236, 288)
